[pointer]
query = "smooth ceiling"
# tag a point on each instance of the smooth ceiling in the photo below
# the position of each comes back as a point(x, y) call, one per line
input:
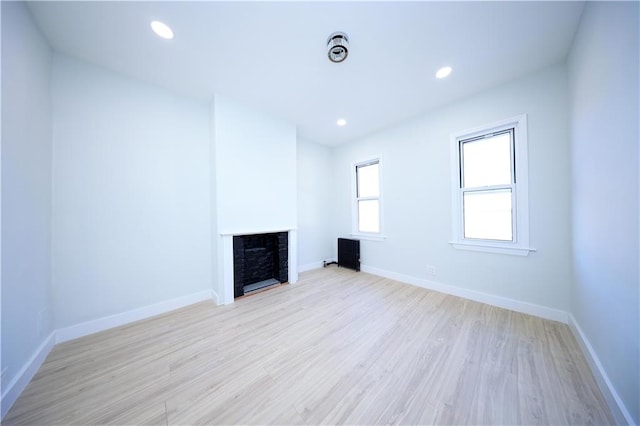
point(272, 55)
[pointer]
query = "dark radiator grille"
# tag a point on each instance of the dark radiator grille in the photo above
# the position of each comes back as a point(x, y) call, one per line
point(349, 253)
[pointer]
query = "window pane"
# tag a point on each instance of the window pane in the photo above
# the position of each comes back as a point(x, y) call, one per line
point(368, 216)
point(487, 161)
point(487, 215)
point(368, 182)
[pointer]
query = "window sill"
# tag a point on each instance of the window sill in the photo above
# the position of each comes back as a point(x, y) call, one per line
point(371, 237)
point(492, 248)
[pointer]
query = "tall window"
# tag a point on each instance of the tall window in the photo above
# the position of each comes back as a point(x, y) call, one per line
point(367, 197)
point(490, 190)
point(487, 184)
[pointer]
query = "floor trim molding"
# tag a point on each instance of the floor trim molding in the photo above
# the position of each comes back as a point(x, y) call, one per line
point(24, 376)
point(116, 320)
point(313, 265)
point(618, 409)
point(215, 298)
point(26, 373)
point(489, 299)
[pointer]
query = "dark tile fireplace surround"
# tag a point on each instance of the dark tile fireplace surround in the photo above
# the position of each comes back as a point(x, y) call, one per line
point(259, 261)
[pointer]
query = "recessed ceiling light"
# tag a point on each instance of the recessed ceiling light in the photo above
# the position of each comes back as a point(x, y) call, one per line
point(341, 122)
point(162, 30)
point(443, 72)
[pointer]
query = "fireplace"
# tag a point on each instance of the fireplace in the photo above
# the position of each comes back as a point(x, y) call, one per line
point(259, 261)
point(224, 290)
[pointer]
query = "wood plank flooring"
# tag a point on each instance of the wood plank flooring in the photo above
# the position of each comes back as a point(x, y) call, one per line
point(338, 347)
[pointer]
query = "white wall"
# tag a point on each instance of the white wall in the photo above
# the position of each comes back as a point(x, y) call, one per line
point(216, 254)
point(131, 208)
point(254, 157)
point(603, 75)
point(417, 200)
point(255, 169)
point(315, 204)
point(142, 190)
point(26, 190)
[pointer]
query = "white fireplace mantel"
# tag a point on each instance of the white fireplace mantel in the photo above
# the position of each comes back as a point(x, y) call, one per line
point(225, 258)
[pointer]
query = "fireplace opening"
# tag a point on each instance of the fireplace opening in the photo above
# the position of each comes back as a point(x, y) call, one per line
point(259, 261)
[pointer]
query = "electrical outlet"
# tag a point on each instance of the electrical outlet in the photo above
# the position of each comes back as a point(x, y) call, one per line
point(431, 271)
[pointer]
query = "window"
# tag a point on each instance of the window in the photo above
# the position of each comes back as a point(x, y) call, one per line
point(490, 188)
point(487, 184)
point(367, 208)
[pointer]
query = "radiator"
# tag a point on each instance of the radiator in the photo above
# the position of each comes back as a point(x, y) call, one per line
point(349, 253)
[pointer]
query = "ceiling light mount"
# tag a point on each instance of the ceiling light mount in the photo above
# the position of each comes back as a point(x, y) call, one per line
point(338, 47)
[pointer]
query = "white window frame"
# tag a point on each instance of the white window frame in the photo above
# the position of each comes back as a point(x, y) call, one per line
point(520, 190)
point(355, 232)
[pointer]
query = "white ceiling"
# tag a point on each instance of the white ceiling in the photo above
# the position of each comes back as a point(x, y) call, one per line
point(272, 55)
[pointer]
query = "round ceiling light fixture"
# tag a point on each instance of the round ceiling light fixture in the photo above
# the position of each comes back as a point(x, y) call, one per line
point(162, 30)
point(443, 72)
point(338, 47)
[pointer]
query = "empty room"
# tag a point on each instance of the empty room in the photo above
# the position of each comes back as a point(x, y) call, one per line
point(320, 212)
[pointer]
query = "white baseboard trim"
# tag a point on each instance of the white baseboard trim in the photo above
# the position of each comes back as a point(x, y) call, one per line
point(26, 373)
point(215, 298)
point(116, 320)
point(618, 409)
point(489, 299)
point(310, 266)
point(24, 376)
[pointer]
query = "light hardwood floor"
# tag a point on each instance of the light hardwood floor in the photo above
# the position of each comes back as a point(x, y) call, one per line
point(338, 347)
